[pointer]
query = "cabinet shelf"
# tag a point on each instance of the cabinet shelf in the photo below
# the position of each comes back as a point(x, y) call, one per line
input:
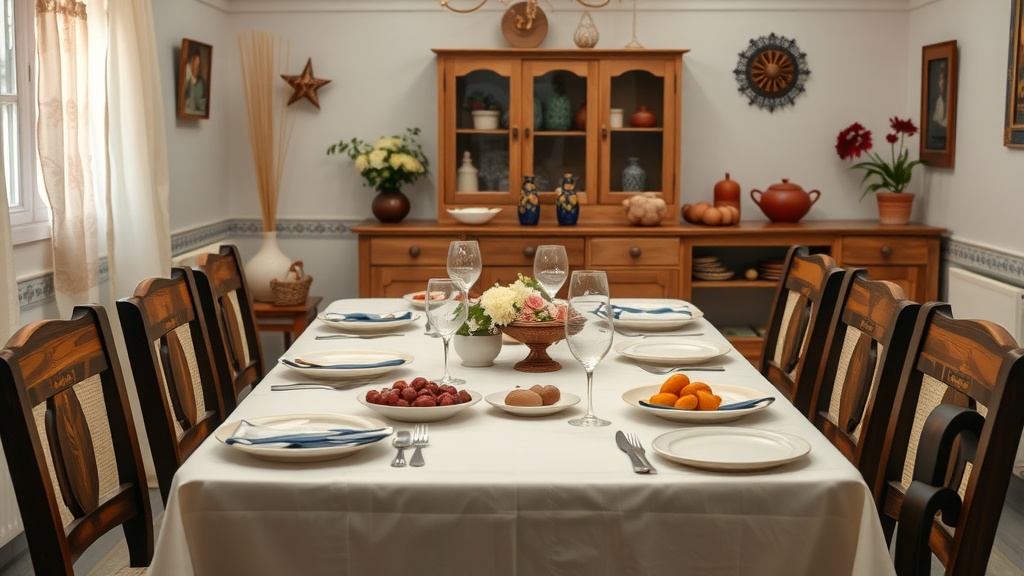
point(498, 131)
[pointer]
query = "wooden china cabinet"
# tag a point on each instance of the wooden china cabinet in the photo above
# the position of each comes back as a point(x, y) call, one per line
point(650, 262)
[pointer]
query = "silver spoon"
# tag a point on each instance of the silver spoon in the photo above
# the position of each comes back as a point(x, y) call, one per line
point(402, 441)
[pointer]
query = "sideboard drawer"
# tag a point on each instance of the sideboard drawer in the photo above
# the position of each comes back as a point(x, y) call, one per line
point(634, 252)
point(402, 251)
point(519, 250)
point(859, 250)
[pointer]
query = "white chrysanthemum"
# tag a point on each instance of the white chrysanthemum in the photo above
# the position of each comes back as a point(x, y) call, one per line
point(386, 143)
point(397, 160)
point(362, 163)
point(378, 158)
point(500, 303)
point(520, 290)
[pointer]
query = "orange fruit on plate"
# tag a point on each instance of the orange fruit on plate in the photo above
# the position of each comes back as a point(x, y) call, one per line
point(675, 383)
point(664, 399)
point(688, 402)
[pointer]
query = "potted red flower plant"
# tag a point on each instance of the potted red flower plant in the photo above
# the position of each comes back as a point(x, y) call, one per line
point(887, 178)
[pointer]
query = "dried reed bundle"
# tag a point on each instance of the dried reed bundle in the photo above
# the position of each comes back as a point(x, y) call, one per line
point(260, 56)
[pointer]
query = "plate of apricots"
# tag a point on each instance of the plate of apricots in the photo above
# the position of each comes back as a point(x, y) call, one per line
point(694, 402)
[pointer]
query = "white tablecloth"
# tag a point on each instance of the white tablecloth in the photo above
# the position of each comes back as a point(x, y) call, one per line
point(503, 495)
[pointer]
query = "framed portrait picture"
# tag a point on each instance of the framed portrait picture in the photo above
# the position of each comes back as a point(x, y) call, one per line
point(938, 104)
point(194, 80)
point(1013, 133)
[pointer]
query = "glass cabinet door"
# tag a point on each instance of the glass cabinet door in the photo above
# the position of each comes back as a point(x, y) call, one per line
point(482, 163)
point(638, 125)
point(556, 140)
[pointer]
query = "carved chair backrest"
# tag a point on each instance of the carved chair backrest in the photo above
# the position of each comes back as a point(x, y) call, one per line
point(70, 441)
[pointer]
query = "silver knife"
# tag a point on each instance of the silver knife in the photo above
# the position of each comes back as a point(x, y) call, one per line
point(638, 464)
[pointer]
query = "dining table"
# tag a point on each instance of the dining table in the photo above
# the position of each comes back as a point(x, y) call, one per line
point(507, 494)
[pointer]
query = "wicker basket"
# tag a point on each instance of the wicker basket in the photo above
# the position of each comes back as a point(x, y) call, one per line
point(293, 289)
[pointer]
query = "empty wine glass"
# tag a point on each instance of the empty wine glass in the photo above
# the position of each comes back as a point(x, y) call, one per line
point(464, 263)
point(446, 312)
point(589, 330)
point(551, 268)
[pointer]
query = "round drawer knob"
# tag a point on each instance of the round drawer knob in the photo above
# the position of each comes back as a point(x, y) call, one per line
point(886, 251)
point(529, 251)
point(414, 251)
point(635, 252)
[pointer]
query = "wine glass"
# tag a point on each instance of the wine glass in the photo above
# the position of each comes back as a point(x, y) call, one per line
point(446, 312)
point(551, 268)
point(464, 263)
point(589, 330)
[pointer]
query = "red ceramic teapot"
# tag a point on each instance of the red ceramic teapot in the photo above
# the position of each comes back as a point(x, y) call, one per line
point(785, 202)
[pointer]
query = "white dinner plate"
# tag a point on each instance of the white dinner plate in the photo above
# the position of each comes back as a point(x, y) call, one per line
point(722, 448)
point(349, 357)
point(302, 454)
point(419, 413)
point(675, 351)
point(655, 321)
point(365, 326)
point(419, 303)
point(497, 400)
point(728, 393)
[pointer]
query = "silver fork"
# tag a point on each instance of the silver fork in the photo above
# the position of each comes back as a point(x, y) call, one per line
point(420, 437)
point(663, 371)
point(634, 441)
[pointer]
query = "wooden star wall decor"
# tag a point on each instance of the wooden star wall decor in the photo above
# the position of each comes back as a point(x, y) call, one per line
point(305, 85)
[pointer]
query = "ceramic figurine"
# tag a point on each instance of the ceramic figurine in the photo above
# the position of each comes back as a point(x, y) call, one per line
point(567, 204)
point(529, 203)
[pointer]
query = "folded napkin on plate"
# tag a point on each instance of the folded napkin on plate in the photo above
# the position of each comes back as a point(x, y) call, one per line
point(293, 364)
point(665, 313)
point(364, 317)
point(304, 434)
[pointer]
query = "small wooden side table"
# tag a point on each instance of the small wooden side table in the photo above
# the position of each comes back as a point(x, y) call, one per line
point(291, 320)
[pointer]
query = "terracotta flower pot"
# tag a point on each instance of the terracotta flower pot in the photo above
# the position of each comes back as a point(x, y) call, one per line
point(894, 208)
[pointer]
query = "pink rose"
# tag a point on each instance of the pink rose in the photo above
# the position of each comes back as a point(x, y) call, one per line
point(534, 302)
point(526, 315)
point(559, 314)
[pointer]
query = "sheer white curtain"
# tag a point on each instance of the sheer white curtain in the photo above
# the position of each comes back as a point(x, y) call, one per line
point(62, 131)
point(138, 220)
point(9, 310)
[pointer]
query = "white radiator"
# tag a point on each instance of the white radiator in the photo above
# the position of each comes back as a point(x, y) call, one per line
point(979, 297)
point(10, 517)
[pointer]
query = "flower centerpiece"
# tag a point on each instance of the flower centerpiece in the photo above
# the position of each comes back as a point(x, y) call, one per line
point(525, 312)
point(385, 166)
point(890, 177)
point(485, 110)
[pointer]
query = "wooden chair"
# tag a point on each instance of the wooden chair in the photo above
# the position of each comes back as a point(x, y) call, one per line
point(231, 319)
point(798, 324)
point(864, 355)
point(70, 442)
point(169, 348)
point(953, 440)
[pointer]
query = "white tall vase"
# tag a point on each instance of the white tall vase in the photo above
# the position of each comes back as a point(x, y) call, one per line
point(264, 266)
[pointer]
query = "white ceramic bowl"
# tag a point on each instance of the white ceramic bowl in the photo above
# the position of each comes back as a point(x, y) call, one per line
point(473, 215)
point(418, 414)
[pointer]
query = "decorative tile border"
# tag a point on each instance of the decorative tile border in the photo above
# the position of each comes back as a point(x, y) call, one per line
point(990, 262)
point(40, 288)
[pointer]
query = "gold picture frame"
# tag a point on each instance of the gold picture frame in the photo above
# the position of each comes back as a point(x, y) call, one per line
point(193, 98)
point(938, 104)
point(1013, 132)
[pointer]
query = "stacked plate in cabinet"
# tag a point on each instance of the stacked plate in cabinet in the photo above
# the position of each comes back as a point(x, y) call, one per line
point(769, 269)
point(710, 268)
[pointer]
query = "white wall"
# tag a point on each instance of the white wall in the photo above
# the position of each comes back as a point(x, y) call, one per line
point(981, 200)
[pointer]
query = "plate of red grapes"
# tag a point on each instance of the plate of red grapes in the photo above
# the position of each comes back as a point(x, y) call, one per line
point(418, 400)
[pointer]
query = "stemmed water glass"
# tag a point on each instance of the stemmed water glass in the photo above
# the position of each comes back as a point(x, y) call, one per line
point(464, 263)
point(551, 268)
point(446, 312)
point(589, 330)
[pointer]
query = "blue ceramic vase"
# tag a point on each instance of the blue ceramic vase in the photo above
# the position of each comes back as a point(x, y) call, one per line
point(567, 204)
point(529, 202)
point(634, 179)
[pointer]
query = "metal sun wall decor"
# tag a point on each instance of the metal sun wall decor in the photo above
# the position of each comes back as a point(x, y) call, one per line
point(772, 72)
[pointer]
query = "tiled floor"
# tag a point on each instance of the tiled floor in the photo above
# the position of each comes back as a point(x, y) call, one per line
point(1007, 555)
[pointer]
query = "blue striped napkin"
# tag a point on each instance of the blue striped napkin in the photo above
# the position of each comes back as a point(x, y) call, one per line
point(304, 434)
point(365, 317)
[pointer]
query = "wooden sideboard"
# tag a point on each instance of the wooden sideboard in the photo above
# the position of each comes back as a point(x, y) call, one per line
point(655, 262)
